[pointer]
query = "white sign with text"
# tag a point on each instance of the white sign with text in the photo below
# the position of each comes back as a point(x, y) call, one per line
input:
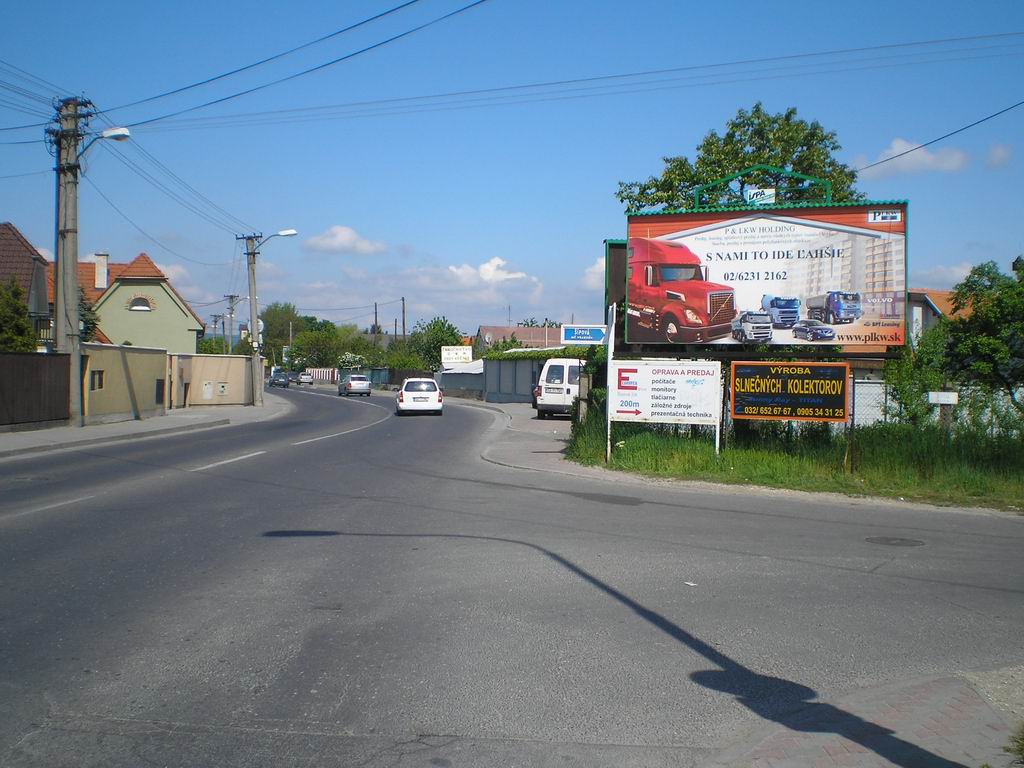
point(453, 354)
point(665, 391)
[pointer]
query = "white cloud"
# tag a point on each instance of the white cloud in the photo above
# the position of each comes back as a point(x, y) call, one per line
point(341, 239)
point(46, 253)
point(998, 156)
point(940, 276)
point(944, 160)
point(593, 276)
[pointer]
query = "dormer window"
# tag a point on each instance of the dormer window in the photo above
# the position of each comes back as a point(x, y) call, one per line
point(140, 304)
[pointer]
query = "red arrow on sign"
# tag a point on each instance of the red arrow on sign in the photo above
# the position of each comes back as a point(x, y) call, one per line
point(637, 412)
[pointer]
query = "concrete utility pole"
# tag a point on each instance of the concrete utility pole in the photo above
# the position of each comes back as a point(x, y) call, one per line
point(223, 334)
point(67, 335)
point(376, 328)
point(403, 318)
point(251, 244)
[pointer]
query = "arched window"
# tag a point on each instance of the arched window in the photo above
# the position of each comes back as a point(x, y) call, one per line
point(140, 304)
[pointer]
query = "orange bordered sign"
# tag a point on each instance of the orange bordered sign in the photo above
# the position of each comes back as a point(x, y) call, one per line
point(790, 391)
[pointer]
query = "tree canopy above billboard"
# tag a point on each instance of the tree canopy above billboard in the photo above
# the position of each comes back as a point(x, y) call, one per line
point(751, 137)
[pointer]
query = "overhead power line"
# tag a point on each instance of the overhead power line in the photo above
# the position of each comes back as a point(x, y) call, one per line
point(267, 60)
point(22, 175)
point(942, 137)
point(317, 68)
point(146, 234)
point(347, 309)
point(516, 94)
point(28, 77)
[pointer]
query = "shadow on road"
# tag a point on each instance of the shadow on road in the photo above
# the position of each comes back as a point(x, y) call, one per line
point(771, 698)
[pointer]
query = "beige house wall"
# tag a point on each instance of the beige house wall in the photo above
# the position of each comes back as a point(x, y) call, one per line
point(210, 380)
point(122, 383)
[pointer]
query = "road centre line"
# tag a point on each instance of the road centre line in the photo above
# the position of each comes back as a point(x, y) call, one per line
point(347, 431)
point(343, 399)
point(48, 506)
point(227, 461)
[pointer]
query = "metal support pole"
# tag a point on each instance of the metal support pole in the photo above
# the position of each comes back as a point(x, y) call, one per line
point(403, 318)
point(608, 386)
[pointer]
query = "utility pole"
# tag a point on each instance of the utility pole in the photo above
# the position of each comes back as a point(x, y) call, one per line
point(403, 318)
point(251, 242)
point(396, 326)
point(232, 302)
point(223, 334)
point(376, 328)
point(216, 322)
point(67, 335)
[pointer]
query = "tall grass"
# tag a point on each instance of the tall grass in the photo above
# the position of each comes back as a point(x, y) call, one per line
point(923, 463)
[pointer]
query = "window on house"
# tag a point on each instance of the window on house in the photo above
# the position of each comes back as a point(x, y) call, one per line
point(159, 398)
point(140, 304)
point(95, 380)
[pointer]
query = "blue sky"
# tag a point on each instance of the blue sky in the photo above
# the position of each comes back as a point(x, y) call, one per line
point(466, 208)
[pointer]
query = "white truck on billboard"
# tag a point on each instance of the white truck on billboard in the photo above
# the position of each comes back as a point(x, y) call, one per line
point(752, 327)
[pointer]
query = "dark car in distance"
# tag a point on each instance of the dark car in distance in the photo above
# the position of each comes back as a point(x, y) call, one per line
point(279, 379)
point(812, 330)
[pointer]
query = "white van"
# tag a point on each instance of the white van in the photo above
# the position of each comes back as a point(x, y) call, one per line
point(559, 385)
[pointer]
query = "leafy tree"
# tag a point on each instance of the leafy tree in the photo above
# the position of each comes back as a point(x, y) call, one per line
point(550, 324)
point(243, 347)
point(351, 360)
point(918, 371)
point(16, 333)
point(87, 317)
point(529, 322)
point(427, 338)
point(986, 333)
point(276, 319)
point(209, 345)
point(316, 349)
point(314, 324)
point(750, 138)
point(400, 356)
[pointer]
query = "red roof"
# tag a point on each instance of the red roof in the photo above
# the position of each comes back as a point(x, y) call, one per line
point(17, 258)
point(139, 268)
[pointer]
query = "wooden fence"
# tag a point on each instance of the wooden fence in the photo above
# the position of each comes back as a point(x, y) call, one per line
point(33, 388)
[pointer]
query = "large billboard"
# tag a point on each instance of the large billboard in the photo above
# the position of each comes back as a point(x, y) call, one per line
point(811, 275)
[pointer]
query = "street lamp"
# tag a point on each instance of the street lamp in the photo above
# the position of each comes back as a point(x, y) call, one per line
point(252, 246)
point(66, 139)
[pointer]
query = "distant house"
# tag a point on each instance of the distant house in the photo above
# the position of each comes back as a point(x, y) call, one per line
point(926, 306)
point(136, 304)
point(527, 336)
point(20, 261)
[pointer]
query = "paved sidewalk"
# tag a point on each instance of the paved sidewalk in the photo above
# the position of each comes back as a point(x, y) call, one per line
point(179, 420)
point(941, 722)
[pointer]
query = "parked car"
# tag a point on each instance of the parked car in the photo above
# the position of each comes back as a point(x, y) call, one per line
point(812, 330)
point(305, 378)
point(559, 386)
point(354, 384)
point(279, 379)
point(419, 395)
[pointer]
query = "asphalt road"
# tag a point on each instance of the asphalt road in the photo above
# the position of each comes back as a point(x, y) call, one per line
point(342, 587)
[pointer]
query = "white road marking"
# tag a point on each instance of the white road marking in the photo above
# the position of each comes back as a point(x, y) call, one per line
point(346, 399)
point(689, 584)
point(227, 461)
point(347, 431)
point(48, 506)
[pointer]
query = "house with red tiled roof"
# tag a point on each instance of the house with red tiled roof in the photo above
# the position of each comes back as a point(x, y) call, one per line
point(136, 304)
point(22, 263)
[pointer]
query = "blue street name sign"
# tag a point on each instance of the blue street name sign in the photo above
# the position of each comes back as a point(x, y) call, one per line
point(584, 334)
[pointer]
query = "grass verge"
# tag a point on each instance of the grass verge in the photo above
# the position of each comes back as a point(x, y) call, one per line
point(891, 460)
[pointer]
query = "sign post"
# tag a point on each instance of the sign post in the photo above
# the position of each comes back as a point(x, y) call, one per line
point(608, 386)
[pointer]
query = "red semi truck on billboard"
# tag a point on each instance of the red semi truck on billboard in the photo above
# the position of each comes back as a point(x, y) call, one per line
point(670, 296)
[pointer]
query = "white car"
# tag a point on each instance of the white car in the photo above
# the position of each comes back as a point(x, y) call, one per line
point(305, 378)
point(354, 384)
point(419, 395)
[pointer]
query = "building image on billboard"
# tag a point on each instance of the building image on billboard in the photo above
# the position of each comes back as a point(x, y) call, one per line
point(784, 276)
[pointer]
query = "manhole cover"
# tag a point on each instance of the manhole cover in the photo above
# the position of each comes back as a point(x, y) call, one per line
point(894, 541)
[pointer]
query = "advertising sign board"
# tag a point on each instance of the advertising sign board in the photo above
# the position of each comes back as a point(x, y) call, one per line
point(790, 391)
point(584, 335)
point(665, 391)
point(943, 398)
point(784, 276)
point(453, 354)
